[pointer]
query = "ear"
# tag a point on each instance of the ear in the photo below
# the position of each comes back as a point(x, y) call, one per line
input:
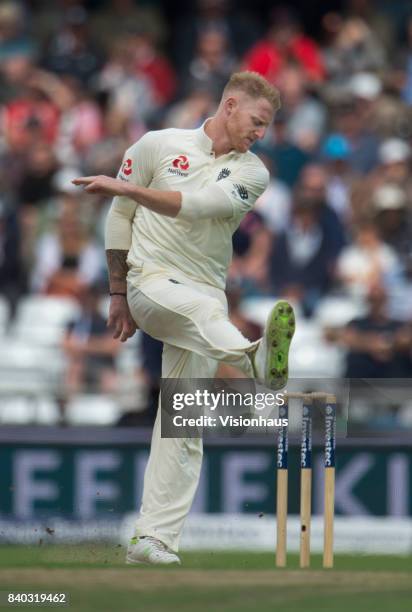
point(230, 105)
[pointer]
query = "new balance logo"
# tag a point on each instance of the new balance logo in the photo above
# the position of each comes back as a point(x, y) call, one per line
point(242, 191)
point(224, 173)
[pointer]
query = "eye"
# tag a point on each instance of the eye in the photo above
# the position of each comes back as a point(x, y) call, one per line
point(257, 122)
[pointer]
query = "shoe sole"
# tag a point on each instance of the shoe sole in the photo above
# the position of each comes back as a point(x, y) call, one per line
point(135, 562)
point(279, 331)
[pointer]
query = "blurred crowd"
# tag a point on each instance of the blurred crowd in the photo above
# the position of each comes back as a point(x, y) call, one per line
point(79, 82)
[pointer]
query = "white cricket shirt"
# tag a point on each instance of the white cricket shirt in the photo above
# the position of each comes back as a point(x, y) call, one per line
point(183, 160)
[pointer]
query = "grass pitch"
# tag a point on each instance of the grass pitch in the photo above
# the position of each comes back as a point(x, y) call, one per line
point(96, 578)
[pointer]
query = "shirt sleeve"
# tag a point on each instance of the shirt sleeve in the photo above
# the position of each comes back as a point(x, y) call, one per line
point(228, 198)
point(137, 168)
point(139, 161)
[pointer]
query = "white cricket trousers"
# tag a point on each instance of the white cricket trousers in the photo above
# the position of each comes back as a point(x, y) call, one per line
point(191, 319)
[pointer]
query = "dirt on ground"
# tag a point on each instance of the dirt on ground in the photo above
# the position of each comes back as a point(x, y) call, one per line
point(141, 579)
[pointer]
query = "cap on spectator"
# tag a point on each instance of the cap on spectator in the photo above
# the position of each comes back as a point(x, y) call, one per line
point(62, 180)
point(336, 147)
point(365, 85)
point(394, 150)
point(389, 197)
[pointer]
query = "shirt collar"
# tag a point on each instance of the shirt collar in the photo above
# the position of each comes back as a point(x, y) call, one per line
point(202, 139)
point(205, 143)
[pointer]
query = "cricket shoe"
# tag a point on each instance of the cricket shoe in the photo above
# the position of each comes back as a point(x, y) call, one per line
point(149, 551)
point(270, 360)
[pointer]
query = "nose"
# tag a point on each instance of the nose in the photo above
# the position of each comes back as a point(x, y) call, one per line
point(259, 133)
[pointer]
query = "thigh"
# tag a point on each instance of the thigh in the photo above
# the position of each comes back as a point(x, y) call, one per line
point(186, 318)
point(180, 363)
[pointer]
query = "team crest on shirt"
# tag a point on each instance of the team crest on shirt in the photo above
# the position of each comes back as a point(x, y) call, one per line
point(224, 173)
point(241, 191)
point(126, 169)
point(180, 165)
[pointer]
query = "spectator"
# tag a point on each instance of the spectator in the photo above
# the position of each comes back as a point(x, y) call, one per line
point(377, 16)
point(335, 152)
point(287, 157)
point(239, 28)
point(395, 160)
point(128, 15)
point(67, 257)
point(13, 39)
point(80, 121)
point(378, 346)
point(393, 168)
point(211, 66)
point(275, 202)
point(352, 48)
point(302, 261)
point(393, 220)
point(80, 125)
point(313, 188)
point(154, 66)
point(90, 348)
point(30, 115)
point(305, 116)
point(71, 50)
point(36, 187)
point(365, 89)
point(363, 140)
point(35, 196)
point(251, 247)
point(192, 111)
point(368, 262)
point(284, 44)
point(130, 97)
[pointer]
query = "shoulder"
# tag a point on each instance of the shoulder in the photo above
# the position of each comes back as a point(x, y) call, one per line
point(254, 169)
point(148, 139)
point(160, 139)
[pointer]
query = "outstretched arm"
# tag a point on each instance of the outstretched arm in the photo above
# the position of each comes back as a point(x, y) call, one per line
point(216, 200)
point(166, 203)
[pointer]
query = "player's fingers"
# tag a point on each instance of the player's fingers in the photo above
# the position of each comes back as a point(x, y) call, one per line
point(128, 331)
point(84, 180)
point(117, 331)
point(91, 188)
point(125, 334)
point(132, 326)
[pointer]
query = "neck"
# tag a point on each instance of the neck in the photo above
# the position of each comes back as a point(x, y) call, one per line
point(216, 130)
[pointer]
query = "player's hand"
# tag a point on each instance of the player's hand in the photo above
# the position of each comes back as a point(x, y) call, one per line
point(105, 185)
point(120, 319)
